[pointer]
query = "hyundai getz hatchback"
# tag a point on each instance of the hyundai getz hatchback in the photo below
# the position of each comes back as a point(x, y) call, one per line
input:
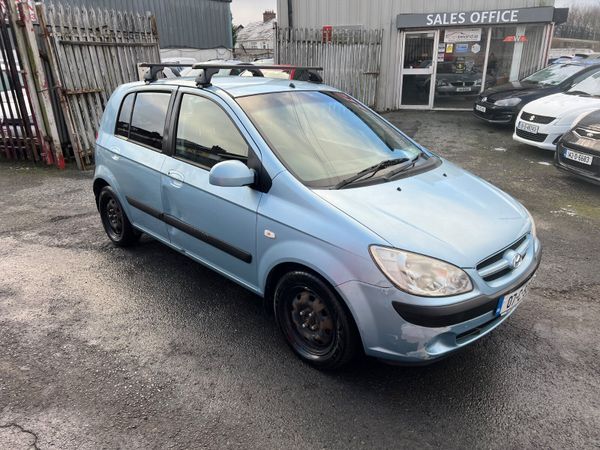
point(360, 238)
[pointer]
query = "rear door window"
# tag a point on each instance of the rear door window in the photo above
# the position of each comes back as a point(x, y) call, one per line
point(148, 118)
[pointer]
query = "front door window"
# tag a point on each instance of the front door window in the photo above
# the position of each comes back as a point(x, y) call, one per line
point(206, 135)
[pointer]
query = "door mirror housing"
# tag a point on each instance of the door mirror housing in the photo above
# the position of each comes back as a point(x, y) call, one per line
point(231, 173)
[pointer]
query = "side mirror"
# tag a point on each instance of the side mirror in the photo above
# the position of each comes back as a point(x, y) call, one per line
point(231, 173)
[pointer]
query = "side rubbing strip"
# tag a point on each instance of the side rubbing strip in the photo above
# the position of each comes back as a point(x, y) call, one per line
point(192, 231)
point(145, 208)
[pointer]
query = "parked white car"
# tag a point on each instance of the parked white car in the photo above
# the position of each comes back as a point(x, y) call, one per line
point(542, 122)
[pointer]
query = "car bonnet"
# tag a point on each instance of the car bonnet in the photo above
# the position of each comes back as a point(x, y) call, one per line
point(561, 105)
point(446, 213)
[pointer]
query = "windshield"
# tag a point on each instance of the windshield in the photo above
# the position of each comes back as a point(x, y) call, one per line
point(590, 87)
point(324, 137)
point(553, 75)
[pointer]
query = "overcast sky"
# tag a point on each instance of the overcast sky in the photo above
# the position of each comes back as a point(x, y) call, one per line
point(246, 11)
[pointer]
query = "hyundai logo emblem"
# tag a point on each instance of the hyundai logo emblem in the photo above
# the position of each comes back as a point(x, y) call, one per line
point(513, 259)
point(484, 99)
point(516, 261)
point(590, 134)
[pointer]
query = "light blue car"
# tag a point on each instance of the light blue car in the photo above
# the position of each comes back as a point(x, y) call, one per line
point(361, 240)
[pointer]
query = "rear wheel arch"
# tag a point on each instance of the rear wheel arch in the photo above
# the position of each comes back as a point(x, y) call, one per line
point(99, 183)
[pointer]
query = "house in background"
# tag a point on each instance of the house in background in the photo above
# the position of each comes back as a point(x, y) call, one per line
point(198, 29)
point(255, 40)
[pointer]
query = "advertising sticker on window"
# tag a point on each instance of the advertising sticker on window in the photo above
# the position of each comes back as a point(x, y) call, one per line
point(463, 35)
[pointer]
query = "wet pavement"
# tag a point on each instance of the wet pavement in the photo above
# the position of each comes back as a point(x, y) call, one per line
point(142, 348)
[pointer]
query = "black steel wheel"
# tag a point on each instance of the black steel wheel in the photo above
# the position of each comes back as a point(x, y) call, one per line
point(115, 221)
point(314, 322)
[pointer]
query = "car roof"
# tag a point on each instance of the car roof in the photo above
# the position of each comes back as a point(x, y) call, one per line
point(237, 86)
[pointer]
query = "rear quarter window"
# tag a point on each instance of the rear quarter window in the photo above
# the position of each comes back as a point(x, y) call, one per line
point(122, 128)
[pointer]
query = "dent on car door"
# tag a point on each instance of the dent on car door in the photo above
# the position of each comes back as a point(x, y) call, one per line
point(136, 157)
point(216, 225)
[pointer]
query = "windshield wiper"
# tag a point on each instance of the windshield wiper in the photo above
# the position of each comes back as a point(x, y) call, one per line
point(580, 93)
point(405, 166)
point(372, 170)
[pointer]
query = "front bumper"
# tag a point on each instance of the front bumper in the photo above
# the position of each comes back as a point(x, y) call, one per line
point(546, 137)
point(401, 330)
point(590, 173)
point(495, 114)
point(458, 90)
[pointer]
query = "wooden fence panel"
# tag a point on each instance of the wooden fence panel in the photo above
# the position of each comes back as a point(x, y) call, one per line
point(350, 57)
point(93, 51)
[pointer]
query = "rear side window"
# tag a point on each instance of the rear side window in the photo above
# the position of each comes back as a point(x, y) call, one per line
point(148, 119)
point(206, 135)
point(125, 116)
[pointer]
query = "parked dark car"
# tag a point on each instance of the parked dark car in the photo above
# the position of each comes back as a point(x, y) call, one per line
point(578, 150)
point(456, 79)
point(502, 104)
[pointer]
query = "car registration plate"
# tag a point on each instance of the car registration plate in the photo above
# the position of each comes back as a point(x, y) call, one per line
point(528, 127)
point(463, 89)
point(480, 108)
point(579, 157)
point(510, 301)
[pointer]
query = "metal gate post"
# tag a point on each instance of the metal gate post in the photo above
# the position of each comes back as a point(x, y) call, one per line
point(36, 77)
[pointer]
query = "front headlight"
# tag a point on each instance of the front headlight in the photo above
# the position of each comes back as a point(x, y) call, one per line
point(533, 228)
point(571, 121)
point(442, 83)
point(420, 275)
point(513, 101)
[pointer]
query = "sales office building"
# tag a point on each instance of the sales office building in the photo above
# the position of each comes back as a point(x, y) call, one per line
point(441, 54)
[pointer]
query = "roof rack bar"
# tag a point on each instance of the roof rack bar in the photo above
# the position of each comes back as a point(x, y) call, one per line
point(156, 68)
point(210, 69)
point(210, 65)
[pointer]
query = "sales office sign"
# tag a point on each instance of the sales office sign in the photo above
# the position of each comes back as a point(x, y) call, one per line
point(488, 17)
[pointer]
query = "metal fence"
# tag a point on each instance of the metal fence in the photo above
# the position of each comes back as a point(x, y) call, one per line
point(350, 57)
point(19, 137)
point(93, 51)
point(60, 65)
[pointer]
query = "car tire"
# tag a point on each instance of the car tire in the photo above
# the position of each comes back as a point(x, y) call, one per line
point(314, 321)
point(116, 224)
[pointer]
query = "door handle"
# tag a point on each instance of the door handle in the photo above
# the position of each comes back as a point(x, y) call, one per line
point(176, 178)
point(116, 153)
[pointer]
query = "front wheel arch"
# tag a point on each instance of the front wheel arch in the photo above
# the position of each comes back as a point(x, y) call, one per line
point(281, 269)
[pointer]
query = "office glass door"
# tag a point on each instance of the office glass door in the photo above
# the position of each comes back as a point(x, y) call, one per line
point(418, 65)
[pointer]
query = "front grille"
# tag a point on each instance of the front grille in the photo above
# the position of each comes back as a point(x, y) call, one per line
point(462, 83)
point(535, 137)
point(494, 267)
point(582, 132)
point(536, 118)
